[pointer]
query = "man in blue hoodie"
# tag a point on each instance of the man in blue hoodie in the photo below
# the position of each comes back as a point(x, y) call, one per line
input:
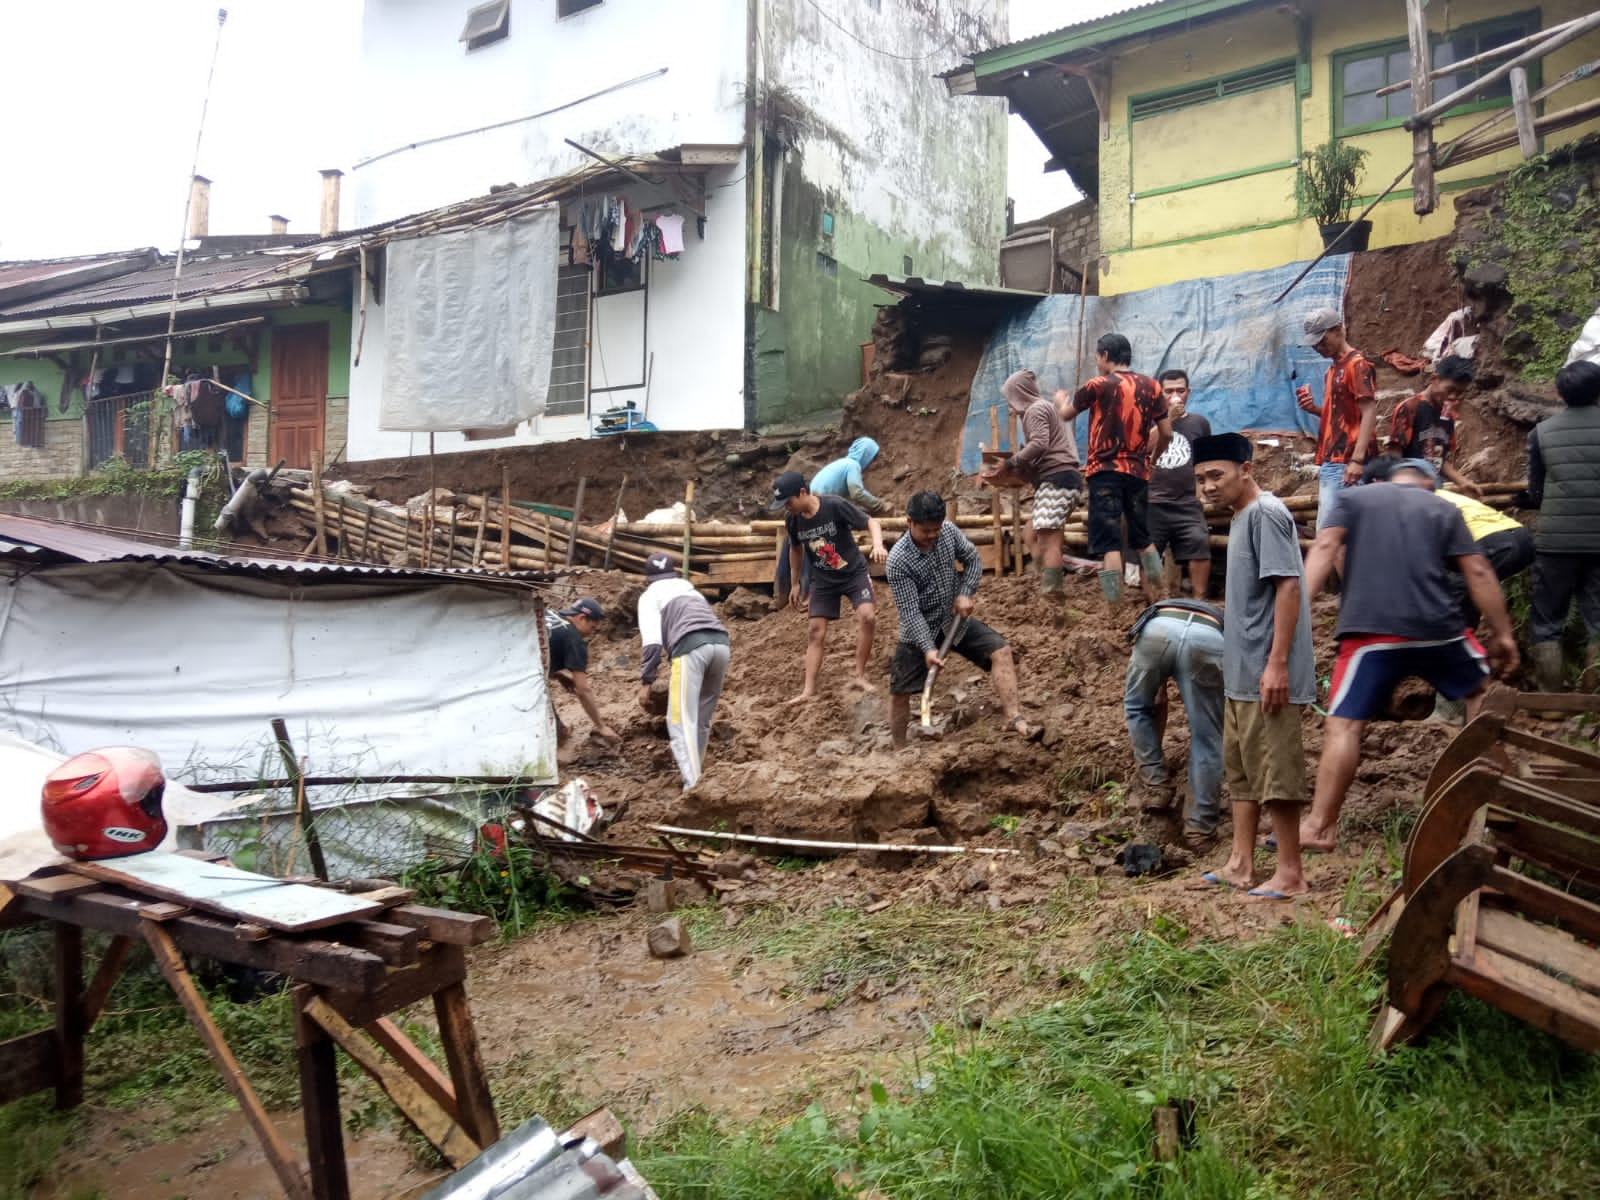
point(841, 477)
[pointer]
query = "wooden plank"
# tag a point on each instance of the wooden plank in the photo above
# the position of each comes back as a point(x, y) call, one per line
point(1425, 192)
point(29, 1064)
point(443, 925)
point(309, 960)
point(604, 1129)
point(242, 895)
point(471, 1083)
point(1522, 111)
point(440, 966)
point(395, 944)
point(1541, 902)
point(448, 1135)
point(71, 1025)
point(12, 911)
point(415, 1063)
point(1572, 702)
point(105, 978)
point(170, 961)
point(1528, 994)
point(1539, 946)
point(319, 1098)
point(48, 887)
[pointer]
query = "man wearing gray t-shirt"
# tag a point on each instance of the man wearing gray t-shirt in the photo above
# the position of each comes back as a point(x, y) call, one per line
point(1268, 674)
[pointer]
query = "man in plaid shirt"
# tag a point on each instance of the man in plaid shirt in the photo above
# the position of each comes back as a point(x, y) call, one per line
point(930, 595)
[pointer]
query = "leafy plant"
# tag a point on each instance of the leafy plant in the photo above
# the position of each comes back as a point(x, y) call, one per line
point(1330, 177)
point(511, 886)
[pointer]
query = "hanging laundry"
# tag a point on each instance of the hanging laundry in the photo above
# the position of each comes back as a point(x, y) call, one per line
point(619, 227)
point(580, 248)
point(671, 227)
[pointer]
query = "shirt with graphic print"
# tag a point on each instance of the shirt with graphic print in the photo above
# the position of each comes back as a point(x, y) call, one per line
point(1124, 407)
point(1350, 381)
point(1419, 428)
point(568, 650)
point(826, 537)
point(1172, 479)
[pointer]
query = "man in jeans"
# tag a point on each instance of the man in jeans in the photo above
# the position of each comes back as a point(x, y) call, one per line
point(1348, 412)
point(1181, 640)
point(1177, 518)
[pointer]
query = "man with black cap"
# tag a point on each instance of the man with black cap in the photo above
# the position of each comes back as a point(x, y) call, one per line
point(1268, 673)
point(677, 623)
point(822, 528)
point(1348, 412)
point(568, 633)
point(1398, 617)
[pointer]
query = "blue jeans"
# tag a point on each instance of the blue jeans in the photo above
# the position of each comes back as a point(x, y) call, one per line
point(1188, 649)
point(1330, 479)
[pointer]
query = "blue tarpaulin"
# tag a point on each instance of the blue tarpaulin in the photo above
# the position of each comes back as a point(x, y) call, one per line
point(1242, 352)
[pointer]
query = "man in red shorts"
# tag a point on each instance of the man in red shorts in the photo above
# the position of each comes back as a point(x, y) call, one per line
point(1398, 617)
point(1128, 427)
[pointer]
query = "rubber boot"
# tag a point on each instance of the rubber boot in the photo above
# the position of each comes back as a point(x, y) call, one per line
point(1050, 582)
point(1547, 666)
point(1153, 567)
point(1111, 587)
point(1451, 712)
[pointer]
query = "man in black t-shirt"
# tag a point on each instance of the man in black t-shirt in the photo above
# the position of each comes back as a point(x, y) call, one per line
point(1177, 518)
point(568, 632)
point(822, 529)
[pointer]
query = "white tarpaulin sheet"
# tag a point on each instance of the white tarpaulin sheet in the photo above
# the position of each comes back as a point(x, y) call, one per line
point(469, 325)
point(373, 679)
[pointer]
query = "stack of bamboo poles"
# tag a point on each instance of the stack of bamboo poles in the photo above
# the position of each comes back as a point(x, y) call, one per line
point(491, 533)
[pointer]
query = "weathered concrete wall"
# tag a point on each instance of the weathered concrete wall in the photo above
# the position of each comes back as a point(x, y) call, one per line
point(1077, 245)
point(152, 514)
point(878, 166)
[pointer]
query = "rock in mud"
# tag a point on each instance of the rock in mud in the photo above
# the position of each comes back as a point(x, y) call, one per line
point(746, 605)
point(669, 939)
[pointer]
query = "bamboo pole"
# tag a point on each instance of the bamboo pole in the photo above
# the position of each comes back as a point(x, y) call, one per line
point(616, 515)
point(1016, 533)
point(428, 515)
point(751, 839)
point(577, 516)
point(320, 521)
point(1486, 56)
point(477, 544)
point(546, 541)
point(1425, 191)
point(1554, 42)
point(505, 510)
point(688, 524)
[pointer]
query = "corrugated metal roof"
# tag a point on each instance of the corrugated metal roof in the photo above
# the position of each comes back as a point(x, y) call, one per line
point(54, 541)
point(1093, 31)
point(915, 285)
point(154, 283)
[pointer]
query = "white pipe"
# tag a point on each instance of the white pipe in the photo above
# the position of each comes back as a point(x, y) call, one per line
point(840, 847)
point(191, 497)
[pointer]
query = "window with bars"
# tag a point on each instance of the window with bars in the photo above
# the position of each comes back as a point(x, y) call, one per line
point(569, 365)
point(1359, 74)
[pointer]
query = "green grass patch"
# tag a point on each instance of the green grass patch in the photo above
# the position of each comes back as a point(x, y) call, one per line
point(1269, 1039)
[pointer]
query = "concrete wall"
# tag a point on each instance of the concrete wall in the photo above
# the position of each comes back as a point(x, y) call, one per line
point(1077, 244)
point(420, 82)
point(862, 134)
point(1254, 220)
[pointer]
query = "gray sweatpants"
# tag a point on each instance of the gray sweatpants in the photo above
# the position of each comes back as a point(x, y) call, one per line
point(692, 693)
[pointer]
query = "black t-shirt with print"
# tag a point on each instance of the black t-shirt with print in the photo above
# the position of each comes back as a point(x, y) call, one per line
point(827, 537)
point(568, 650)
point(1172, 477)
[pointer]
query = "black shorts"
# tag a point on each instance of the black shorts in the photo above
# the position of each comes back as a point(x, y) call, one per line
point(1113, 496)
point(828, 590)
point(1183, 527)
point(909, 670)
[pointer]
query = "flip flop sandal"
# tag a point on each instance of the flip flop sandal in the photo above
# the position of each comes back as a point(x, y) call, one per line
point(1268, 894)
point(1212, 880)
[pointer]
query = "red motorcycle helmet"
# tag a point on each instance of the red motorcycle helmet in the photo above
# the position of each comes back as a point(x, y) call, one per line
point(105, 803)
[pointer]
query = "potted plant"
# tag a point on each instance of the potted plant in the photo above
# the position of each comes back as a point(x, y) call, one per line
point(1329, 179)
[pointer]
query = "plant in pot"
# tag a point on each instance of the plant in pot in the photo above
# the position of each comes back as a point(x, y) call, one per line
point(1330, 176)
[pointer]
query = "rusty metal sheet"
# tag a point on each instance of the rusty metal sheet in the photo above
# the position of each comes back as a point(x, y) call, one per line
point(229, 892)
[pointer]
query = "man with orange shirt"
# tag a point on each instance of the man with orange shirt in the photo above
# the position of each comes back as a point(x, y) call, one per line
point(1424, 426)
point(1128, 426)
point(1348, 412)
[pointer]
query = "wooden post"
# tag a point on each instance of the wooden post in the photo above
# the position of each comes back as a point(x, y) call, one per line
point(319, 513)
point(427, 510)
point(450, 540)
point(1527, 139)
point(616, 512)
point(1425, 193)
point(71, 1024)
point(577, 515)
point(688, 525)
point(303, 815)
point(1016, 532)
point(344, 525)
point(549, 534)
point(366, 534)
point(483, 524)
point(171, 964)
point(105, 978)
point(319, 1096)
point(505, 518)
point(471, 1084)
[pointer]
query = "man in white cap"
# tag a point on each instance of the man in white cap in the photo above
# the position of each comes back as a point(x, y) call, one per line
point(677, 623)
point(1348, 412)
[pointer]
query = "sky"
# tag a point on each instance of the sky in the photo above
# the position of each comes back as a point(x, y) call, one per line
point(104, 100)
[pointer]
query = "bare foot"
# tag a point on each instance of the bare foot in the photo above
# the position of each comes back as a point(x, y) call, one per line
point(1318, 841)
point(860, 683)
point(802, 698)
point(1239, 875)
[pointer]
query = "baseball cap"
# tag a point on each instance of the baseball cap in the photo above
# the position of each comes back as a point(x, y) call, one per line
point(659, 566)
point(1318, 322)
point(786, 486)
point(1421, 465)
point(588, 607)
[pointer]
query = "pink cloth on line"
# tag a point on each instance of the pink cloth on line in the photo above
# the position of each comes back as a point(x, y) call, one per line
point(671, 226)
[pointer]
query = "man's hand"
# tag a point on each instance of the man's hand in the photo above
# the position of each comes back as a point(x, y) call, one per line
point(963, 606)
point(1274, 687)
point(1302, 397)
point(794, 595)
point(1503, 655)
point(608, 734)
point(1470, 488)
point(879, 554)
point(1352, 473)
point(644, 696)
point(931, 657)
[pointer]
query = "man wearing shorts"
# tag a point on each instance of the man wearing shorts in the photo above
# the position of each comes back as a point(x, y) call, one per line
point(1398, 617)
point(1128, 427)
point(931, 594)
point(822, 528)
point(1048, 459)
point(1348, 412)
point(1268, 672)
point(1177, 518)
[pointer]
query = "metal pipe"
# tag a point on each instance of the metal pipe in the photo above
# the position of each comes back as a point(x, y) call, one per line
point(191, 498)
point(751, 839)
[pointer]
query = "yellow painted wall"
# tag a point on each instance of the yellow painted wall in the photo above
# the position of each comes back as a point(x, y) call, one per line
point(1251, 223)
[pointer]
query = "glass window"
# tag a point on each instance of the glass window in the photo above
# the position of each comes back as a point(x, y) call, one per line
point(1362, 77)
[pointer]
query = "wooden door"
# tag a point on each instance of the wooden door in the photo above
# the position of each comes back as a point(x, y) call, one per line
point(299, 394)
